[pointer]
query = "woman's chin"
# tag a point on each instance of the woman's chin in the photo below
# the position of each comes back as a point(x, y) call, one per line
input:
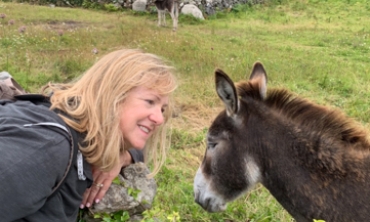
point(137, 145)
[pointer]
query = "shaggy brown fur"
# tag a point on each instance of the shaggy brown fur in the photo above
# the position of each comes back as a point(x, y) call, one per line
point(314, 117)
point(330, 125)
point(314, 160)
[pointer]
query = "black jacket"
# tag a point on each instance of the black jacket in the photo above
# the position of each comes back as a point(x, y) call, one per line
point(33, 160)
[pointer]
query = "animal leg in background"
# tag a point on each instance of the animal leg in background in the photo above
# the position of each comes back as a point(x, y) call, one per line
point(174, 12)
point(161, 17)
point(172, 7)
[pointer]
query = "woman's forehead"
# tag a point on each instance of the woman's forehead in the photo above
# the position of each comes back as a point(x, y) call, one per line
point(145, 91)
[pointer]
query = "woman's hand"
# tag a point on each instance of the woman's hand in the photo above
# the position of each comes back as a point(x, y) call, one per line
point(102, 181)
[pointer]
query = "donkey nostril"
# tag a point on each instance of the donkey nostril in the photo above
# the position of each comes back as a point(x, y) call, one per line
point(196, 197)
point(207, 204)
point(197, 201)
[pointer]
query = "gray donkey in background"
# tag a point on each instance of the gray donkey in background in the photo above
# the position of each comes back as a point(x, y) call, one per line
point(172, 6)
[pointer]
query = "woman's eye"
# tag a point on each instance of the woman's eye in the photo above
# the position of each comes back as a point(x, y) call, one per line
point(150, 102)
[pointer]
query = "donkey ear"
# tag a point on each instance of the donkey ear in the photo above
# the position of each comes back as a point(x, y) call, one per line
point(226, 91)
point(259, 76)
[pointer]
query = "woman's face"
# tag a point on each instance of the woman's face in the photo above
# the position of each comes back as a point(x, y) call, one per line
point(141, 114)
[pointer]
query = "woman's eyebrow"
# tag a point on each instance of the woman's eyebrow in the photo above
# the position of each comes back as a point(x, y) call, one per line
point(158, 98)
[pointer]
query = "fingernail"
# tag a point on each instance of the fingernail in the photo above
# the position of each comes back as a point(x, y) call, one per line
point(97, 201)
point(88, 205)
point(82, 206)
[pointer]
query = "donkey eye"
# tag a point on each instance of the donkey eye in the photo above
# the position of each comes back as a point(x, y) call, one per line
point(211, 145)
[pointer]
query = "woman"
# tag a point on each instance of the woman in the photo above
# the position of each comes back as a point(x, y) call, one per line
point(122, 101)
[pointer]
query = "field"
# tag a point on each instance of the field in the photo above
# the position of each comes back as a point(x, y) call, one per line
point(318, 49)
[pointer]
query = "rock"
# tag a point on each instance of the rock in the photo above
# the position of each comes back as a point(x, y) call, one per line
point(193, 10)
point(139, 5)
point(134, 194)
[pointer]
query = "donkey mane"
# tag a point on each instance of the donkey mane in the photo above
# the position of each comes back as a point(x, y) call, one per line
point(332, 122)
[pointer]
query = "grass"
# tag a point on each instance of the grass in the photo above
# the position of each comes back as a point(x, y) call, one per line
point(318, 49)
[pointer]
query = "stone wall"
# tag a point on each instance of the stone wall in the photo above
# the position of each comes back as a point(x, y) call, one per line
point(207, 6)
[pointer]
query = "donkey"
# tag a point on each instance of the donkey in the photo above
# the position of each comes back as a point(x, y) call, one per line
point(172, 6)
point(314, 160)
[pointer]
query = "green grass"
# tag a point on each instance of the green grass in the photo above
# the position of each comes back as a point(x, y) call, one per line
point(318, 49)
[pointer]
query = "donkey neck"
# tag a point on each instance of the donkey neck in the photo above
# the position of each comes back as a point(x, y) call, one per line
point(306, 171)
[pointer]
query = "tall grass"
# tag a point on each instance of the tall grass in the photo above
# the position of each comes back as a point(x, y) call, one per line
point(318, 49)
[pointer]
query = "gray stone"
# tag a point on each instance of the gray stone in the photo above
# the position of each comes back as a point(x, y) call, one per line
point(139, 5)
point(134, 194)
point(192, 10)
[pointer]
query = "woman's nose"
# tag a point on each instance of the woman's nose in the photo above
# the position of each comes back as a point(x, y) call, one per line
point(157, 116)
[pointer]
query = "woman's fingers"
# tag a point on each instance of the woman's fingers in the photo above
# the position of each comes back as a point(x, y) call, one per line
point(84, 198)
point(98, 189)
point(102, 182)
point(94, 190)
point(90, 193)
point(102, 191)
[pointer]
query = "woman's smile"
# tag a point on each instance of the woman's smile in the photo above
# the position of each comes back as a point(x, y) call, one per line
point(142, 109)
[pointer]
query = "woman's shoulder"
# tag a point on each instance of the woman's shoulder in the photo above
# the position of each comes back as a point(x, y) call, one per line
point(24, 134)
point(31, 158)
point(28, 110)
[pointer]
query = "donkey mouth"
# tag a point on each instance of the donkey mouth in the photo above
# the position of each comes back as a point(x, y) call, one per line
point(209, 204)
point(204, 196)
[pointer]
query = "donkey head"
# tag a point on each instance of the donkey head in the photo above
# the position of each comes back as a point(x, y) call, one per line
point(229, 167)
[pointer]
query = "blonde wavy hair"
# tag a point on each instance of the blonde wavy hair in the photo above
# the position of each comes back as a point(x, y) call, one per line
point(92, 104)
